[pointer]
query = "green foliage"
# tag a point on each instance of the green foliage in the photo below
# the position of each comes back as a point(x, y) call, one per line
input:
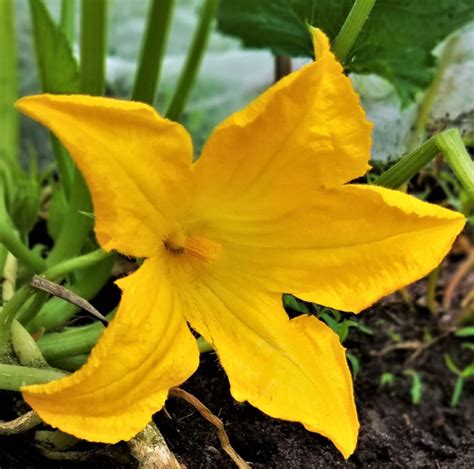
point(396, 41)
point(289, 301)
point(58, 69)
point(340, 325)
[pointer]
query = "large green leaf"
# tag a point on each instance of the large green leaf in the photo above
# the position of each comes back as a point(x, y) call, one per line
point(395, 43)
point(57, 66)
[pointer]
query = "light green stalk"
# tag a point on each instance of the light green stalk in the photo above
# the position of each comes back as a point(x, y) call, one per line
point(153, 50)
point(351, 28)
point(193, 60)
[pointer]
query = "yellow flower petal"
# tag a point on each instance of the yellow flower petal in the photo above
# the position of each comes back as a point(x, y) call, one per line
point(343, 247)
point(294, 370)
point(136, 164)
point(146, 349)
point(308, 130)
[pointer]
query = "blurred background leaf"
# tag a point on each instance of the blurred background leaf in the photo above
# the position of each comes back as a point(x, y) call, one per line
point(395, 43)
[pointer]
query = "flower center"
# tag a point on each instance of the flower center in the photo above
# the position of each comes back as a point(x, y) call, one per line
point(197, 246)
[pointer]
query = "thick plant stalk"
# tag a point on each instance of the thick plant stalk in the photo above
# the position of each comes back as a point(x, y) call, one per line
point(150, 449)
point(22, 424)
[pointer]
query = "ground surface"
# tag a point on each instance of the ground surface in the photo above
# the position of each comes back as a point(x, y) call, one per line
point(394, 432)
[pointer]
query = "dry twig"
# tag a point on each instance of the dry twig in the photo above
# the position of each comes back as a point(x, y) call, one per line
point(455, 280)
point(55, 289)
point(408, 345)
point(214, 420)
point(426, 345)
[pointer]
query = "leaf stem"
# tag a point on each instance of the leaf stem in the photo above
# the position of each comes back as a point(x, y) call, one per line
point(193, 60)
point(93, 47)
point(153, 49)
point(10, 238)
point(450, 144)
point(77, 263)
point(67, 19)
point(7, 315)
point(9, 81)
point(13, 377)
point(351, 28)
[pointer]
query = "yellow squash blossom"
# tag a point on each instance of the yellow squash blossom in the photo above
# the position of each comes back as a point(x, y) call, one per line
point(265, 210)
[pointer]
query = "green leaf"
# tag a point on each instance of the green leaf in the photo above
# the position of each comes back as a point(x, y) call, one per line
point(457, 391)
point(452, 365)
point(395, 43)
point(468, 371)
point(289, 301)
point(416, 389)
point(58, 69)
point(355, 363)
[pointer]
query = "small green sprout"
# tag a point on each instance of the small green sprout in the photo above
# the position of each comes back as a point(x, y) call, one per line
point(416, 390)
point(387, 379)
point(462, 375)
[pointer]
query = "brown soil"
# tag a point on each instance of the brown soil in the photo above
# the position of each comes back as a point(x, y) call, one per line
point(394, 432)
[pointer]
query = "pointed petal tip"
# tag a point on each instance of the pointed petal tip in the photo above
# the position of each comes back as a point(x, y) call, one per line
point(321, 43)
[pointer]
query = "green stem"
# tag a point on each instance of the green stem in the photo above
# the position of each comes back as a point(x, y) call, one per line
point(71, 363)
point(432, 93)
point(13, 377)
point(351, 28)
point(67, 19)
point(93, 47)
point(76, 226)
point(9, 84)
point(72, 341)
point(13, 243)
point(153, 49)
point(450, 144)
point(75, 342)
point(30, 311)
point(77, 263)
point(7, 315)
point(193, 60)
